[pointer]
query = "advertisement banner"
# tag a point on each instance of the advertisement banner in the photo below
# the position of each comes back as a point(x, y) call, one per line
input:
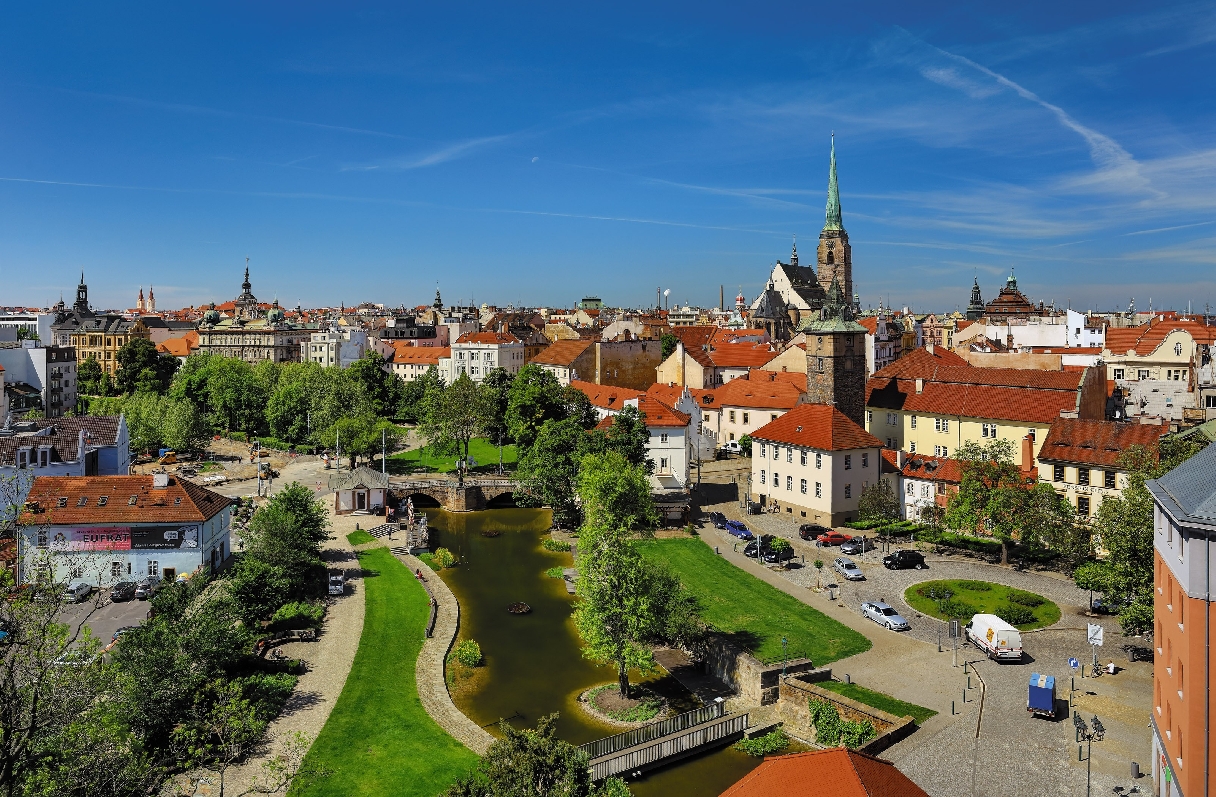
point(125, 538)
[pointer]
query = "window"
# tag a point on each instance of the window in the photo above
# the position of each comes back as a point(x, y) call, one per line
point(891, 418)
point(1177, 349)
point(663, 463)
point(802, 458)
point(789, 455)
point(732, 416)
point(988, 430)
point(865, 460)
point(746, 418)
point(819, 363)
point(1108, 479)
point(762, 477)
point(911, 489)
point(945, 452)
point(76, 571)
point(115, 570)
point(103, 500)
point(1119, 373)
point(153, 568)
point(773, 417)
point(912, 447)
point(23, 458)
point(818, 460)
point(912, 421)
point(848, 461)
point(789, 483)
point(62, 502)
point(44, 457)
point(83, 501)
point(1057, 473)
point(1083, 476)
point(818, 490)
point(926, 491)
point(848, 491)
point(663, 437)
point(1209, 402)
point(1142, 373)
point(1083, 506)
point(776, 453)
point(131, 501)
point(802, 486)
point(869, 418)
point(763, 448)
point(776, 479)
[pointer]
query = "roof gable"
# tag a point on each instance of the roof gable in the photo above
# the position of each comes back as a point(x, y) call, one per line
point(818, 426)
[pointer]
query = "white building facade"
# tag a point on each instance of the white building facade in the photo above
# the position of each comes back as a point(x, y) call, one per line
point(478, 353)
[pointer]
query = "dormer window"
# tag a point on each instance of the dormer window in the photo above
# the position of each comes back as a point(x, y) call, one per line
point(177, 501)
point(103, 500)
point(62, 502)
point(84, 500)
point(132, 500)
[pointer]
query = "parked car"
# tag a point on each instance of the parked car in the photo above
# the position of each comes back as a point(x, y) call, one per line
point(884, 615)
point(147, 588)
point(123, 591)
point(812, 531)
point(847, 568)
point(995, 637)
point(337, 585)
point(857, 545)
point(718, 519)
point(756, 548)
point(79, 591)
point(122, 630)
point(902, 560)
point(773, 556)
point(731, 447)
point(834, 538)
point(737, 529)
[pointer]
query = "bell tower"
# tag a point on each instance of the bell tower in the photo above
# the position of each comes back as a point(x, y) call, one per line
point(836, 357)
point(835, 256)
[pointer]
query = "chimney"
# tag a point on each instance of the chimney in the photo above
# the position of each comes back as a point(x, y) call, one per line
point(928, 348)
point(920, 385)
point(1028, 453)
point(160, 481)
point(901, 458)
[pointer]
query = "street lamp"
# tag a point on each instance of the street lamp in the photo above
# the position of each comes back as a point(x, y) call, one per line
point(784, 645)
point(1085, 734)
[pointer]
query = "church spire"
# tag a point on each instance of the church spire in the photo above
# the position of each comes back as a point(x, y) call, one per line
point(794, 253)
point(832, 216)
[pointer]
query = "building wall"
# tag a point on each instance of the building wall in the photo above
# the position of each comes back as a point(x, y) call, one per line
point(836, 371)
point(835, 477)
point(1072, 490)
point(792, 360)
point(253, 345)
point(925, 437)
point(478, 359)
point(104, 346)
point(627, 363)
point(681, 369)
point(736, 421)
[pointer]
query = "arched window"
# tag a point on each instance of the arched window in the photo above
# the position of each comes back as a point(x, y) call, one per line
point(831, 256)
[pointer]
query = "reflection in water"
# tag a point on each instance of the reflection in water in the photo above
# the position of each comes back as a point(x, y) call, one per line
point(533, 662)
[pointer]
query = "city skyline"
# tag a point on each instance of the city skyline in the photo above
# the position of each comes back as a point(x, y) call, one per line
point(536, 158)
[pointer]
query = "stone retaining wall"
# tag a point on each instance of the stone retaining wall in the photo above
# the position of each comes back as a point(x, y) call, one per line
point(430, 673)
point(796, 693)
point(753, 681)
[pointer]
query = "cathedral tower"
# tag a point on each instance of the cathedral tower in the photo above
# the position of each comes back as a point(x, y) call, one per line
point(835, 256)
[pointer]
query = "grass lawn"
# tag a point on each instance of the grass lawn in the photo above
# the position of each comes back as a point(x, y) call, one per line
point(480, 449)
point(754, 614)
point(359, 537)
point(379, 740)
point(981, 597)
point(879, 700)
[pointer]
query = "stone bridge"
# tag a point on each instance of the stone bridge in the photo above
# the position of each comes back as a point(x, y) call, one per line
point(448, 493)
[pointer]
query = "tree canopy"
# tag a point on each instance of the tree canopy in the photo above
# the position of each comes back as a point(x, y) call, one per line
point(141, 368)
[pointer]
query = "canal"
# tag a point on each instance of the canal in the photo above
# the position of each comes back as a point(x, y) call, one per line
point(533, 663)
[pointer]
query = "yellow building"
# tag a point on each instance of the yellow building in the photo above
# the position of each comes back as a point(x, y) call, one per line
point(101, 336)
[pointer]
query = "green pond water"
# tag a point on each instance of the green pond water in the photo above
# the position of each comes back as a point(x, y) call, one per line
point(533, 664)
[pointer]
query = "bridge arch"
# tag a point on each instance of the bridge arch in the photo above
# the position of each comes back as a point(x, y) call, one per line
point(504, 500)
point(421, 500)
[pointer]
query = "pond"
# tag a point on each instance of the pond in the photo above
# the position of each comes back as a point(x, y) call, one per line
point(533, 663)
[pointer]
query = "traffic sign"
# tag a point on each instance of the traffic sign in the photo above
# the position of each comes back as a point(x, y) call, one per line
point(1073, 663)
point(1095, 634)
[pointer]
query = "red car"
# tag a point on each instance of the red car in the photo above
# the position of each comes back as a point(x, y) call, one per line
point(834, 538)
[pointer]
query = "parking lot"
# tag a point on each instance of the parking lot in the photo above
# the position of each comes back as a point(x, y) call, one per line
point(1000, 749)
point(104, 619)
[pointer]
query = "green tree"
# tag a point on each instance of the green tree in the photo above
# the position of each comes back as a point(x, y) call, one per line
point(454, 416)
point(381, 389)
point(287, 534)
point(413, 403)
point(535, 763)
point(745, 444)
point(535, 396)
point(222, 727)
point(668, 343)
point(236, 397)
point(1048, 520)
point(992, 493)
point(363, 436)
point(878, 502)
point(627, 435)
point(496, 388)
point(576, 405)
point(548, 471)
point(142, 368)
point(615, 493)
point(88, 377)
point(288, 412)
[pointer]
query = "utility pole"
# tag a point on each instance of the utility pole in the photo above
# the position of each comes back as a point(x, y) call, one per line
point(383, 452)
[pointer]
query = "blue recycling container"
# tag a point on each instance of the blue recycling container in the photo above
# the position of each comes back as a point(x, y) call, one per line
point(1041, 698)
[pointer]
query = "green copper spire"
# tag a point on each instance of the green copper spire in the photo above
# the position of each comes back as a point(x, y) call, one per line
point(832, 221)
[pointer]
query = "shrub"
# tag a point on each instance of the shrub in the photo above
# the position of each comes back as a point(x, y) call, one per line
point(555, 572)
point(759, 746)
point(831, 730)
point(297, 614)
point(1025, 598)
point(1015, 615)
point(975, 586)
point(560, 546)
point(468, 653)
point(443, 558)
point(267, 692)
point(779, 544)
point(957, 608)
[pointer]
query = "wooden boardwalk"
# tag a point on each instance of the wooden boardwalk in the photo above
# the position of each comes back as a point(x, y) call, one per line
point(661, 743)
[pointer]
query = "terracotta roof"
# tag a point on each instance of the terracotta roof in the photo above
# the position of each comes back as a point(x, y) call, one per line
point(936, 469)
point(740, 355)
point(179, 347)
point(1011, 394)
point(562, 352)
point(794, 378)
point(764, 395)
point(921, 363)
point(487, 338)
point(670, 394)
point(405, 354)
point(1096, 442)
point(657, 414)
point(825, 773)
point(817, 426)
point(609, 397)
point(180, 502)
point(1145, 338)
point(870, 323)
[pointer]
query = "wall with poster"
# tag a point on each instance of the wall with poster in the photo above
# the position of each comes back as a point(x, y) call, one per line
point(122, 538)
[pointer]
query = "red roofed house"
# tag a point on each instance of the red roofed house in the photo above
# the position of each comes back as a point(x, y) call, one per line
point(923, 482)
point(409, 361)
point(708, 364)
point(1156, 365)
point(568, 360)
point(671, 448)
point(1080, 458)
point(478, 353)
point(825, 773)
point(925, 404)
point(104, 529)
point(181, 347)
point(744, 405)
point(627, 363)
point(813, 462)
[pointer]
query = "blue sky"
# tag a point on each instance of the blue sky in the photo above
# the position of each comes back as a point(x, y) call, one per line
point(536, 154)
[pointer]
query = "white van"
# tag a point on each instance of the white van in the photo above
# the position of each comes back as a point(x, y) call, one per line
point(997, 638)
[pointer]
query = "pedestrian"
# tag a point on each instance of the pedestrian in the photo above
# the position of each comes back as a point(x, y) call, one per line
point(1110, 668)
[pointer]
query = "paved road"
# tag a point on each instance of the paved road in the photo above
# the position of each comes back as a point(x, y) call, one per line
point(103, 617)
point(1014, 753)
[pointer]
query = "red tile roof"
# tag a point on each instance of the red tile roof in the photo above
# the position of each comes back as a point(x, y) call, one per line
point(1012, 394)
point(870, 323)
point(670, 395)
point(657, 414)
point(563, 352)
point(763, 395)
point(179, 347)
point(825, 773)
point(794, 378)
point(921, 363)
point(1145, 338)
point(740, 355)
point(609, 397)
point(487, 338)
point(180, 502)
point(406, 354)
point(936, 469)
point(1098, 443)
point(817, 426)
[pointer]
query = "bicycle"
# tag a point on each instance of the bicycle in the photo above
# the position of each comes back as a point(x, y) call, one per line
point(1095, 670)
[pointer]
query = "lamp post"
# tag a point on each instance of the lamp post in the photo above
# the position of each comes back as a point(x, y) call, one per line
point(784, 644)
point(1089, 736)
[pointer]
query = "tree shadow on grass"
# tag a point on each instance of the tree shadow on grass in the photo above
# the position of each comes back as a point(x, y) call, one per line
point(744, 639)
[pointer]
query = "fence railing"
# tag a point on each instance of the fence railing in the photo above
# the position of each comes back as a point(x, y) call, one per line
point(648, 733)
point(450, 481)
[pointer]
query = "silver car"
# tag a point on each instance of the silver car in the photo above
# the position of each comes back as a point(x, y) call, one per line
point(847, 568)
point(883, 614)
